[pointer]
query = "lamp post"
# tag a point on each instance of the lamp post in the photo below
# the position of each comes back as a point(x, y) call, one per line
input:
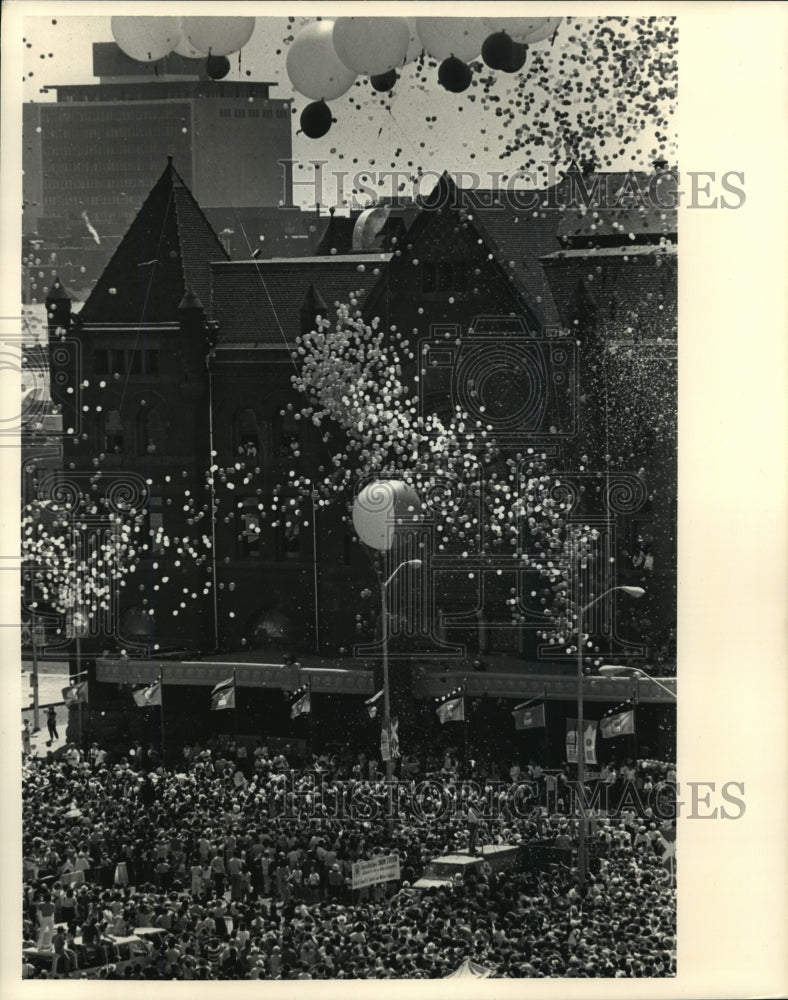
point(613, 670)
point(581, 747)
point(384, 635)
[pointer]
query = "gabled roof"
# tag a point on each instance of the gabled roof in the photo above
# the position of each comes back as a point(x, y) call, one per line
point(258, 302)
point(581, 209)
point(167, 250)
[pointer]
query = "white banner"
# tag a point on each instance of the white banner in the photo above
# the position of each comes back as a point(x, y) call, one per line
point(382, 869)
point(571, 741)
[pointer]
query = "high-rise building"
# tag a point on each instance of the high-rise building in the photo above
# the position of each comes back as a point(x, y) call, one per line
point(94, 153)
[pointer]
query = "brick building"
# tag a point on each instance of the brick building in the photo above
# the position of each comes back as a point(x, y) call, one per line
point(190, 355)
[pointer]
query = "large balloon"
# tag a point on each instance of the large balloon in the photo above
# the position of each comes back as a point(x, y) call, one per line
point(314, 68)
point(461, 37)
point(218, 36)
point(384, 82)
point(454, 75)
point(498, 50)
point(146, 39)
point(380, 508)
point(316, 120)
point(218, 67)
point(371, 45)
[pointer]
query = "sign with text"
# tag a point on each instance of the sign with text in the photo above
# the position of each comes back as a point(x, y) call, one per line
point(382, 869)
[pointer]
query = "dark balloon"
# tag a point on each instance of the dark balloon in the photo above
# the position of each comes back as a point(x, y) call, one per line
point(517, 61)
point(218, 67)
point(316, 119)
point(454, 75)
point(384, 81)
point(498, 50)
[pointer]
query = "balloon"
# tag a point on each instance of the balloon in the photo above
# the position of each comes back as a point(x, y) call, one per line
point(218, 67)
point(218, 36)
point(146, 39)
point(380, 507)
point(316, 120)
point(516, 63)
point(454, 75)
point(384, 82)
point(314, 68)
point(452, 36)
point(371, 45)
point(498, 50)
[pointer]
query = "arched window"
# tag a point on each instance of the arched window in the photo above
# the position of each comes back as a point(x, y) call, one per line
point(246, 434)
point(113, 433)
point(152, 431)
point(288, 436)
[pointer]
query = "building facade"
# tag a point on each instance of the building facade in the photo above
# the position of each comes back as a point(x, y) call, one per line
point(189, 356)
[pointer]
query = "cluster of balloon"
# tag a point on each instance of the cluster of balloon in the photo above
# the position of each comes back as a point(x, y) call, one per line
point(326, 56)
point(148, 39)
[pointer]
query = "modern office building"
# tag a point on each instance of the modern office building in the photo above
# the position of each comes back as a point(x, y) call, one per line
point(97, 150)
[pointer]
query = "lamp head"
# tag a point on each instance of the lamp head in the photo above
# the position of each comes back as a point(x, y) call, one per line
point(633, 591)
point(613, 670)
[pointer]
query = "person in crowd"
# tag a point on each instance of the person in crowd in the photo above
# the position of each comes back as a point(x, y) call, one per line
point(295, 917)
point(52, 725)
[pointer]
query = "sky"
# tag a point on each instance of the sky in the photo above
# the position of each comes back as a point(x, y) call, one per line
point(421, 126)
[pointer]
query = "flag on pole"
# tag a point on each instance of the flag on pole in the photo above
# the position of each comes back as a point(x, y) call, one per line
point(223, 695)
point(76, 693)
point(150, 695)
point(621, 724)
point(529, 716)
point(372, 704)
point(389, 740)
point(589, 741)
point(303, 702)
point(452, 710)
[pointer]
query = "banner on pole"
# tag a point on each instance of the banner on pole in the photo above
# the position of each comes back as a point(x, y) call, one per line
point(381, 869)
point(589, 741)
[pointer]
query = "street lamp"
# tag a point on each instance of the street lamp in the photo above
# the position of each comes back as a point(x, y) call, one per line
point(581, 747)
point(614, 670)
point(386, 702)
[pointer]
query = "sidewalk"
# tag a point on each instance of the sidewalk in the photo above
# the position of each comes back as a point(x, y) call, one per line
point(52, 678)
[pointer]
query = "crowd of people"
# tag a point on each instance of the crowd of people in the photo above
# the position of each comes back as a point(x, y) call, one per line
point(245, 865)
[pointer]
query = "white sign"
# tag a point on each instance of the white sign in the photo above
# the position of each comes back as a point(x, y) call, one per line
point(382, 869)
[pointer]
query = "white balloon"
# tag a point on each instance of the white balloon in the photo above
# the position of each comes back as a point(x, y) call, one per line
point(146, 39)
point(380, 507)
point(314, 68)
point(371, 45)
point(452, 36)
point(218, 36)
